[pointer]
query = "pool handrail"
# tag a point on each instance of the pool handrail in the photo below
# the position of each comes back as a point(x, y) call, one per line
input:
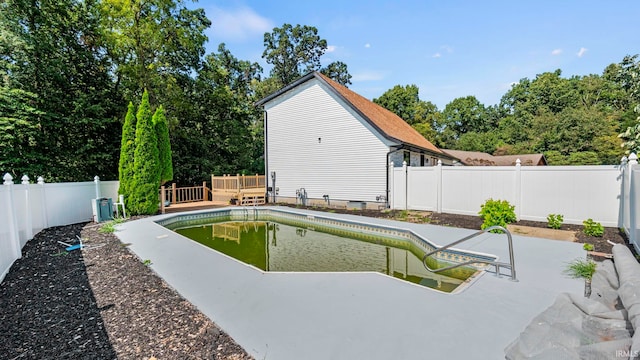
point(497, 264)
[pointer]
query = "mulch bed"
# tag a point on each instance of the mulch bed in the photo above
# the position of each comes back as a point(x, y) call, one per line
point(98, 303)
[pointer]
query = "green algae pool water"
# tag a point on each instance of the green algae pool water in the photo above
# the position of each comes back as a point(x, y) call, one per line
point(272, 246)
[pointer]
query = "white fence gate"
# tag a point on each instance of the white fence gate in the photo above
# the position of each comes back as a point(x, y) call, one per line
point(27, 208)
point(576, 192)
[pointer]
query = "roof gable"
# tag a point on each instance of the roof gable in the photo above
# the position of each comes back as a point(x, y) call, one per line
point(386, 122)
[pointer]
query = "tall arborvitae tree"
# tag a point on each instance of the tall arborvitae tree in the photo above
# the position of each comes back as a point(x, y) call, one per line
point(127, 154)
point(164, 146)
point(146, 177)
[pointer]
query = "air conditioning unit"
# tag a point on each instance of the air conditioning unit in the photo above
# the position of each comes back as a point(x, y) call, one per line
point(102, 209)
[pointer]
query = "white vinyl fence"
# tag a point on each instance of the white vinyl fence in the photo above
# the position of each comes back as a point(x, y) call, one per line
point(630, 204)
point(27, 208)
point(576, 192)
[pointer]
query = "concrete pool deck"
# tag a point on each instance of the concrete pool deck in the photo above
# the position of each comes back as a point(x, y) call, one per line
point(361, 315)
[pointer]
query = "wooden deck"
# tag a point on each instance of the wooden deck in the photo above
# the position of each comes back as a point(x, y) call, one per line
point(225, 190)
point(198, 205)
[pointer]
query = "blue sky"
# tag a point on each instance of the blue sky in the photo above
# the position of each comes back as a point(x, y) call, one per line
point(448, 49)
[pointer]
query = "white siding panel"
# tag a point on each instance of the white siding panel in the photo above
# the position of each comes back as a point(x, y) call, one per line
point(316, 142)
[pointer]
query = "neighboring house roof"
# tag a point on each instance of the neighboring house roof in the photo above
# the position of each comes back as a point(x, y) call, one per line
point(390, 125)
point(476, 158)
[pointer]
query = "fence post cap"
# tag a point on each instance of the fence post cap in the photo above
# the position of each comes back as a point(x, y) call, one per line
point(40, 180)
point(8, 179)
point(96, 178)
point(440, 162)
point(633, 157)
point(623, 160)
point(404, 164)
point(25, 179)
point(518, 162)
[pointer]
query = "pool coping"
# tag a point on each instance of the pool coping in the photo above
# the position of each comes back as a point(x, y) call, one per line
point(277, 315)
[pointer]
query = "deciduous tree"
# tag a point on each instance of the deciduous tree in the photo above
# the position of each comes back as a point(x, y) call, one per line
point(293, 51)
point(338, 71)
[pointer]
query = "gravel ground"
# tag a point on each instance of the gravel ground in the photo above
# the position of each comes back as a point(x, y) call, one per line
point(98, 303)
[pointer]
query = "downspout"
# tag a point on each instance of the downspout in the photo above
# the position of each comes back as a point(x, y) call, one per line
point(388, 155)
point(266, 158)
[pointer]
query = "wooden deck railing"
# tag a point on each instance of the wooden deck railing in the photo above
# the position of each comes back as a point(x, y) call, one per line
point(234, 184)
point(223, 189)
point(177, 195)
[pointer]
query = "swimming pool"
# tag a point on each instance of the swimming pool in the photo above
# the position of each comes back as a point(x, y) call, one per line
point(288, 241)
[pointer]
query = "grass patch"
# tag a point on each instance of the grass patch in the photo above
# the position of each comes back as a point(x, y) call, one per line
point(110, 226)
point(580, 268)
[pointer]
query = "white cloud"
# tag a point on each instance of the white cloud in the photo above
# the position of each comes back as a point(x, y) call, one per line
point(556, 52)
point(436, 55)
point(582, 52)
point(447, 48)
point(367, 45)
point(238, 24)
point(367, 76)
point(331, 48)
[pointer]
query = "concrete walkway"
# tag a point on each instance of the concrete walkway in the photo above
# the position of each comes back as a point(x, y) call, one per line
point(361, 315)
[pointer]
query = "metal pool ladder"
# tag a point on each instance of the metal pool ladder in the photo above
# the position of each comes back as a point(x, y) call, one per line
point(498, 265)
point(246, 213)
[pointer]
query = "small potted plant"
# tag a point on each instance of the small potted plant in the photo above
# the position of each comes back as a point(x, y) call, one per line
point(581, 268)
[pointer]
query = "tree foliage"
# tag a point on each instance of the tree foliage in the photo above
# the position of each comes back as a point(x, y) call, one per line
point(54, 50)
point(572, 120)
point(337, 71)
point(293, 51)
point(405, 102)
point(224, 134)
point(18, 133)
point(152, 43)
point(164, 145)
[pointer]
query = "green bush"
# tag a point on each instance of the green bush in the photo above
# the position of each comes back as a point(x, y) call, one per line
point(497, 212)
point(555, 221)
point(593, 228)
point(588, 247)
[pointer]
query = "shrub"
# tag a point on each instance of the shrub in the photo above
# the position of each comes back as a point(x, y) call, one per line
point(593, 228)
point(588, 247)
point(555, 221)
point(497, 212)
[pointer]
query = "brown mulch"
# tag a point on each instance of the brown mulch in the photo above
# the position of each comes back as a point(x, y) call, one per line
point(99, 303)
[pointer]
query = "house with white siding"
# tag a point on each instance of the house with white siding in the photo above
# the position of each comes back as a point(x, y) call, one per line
point(325, 143)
